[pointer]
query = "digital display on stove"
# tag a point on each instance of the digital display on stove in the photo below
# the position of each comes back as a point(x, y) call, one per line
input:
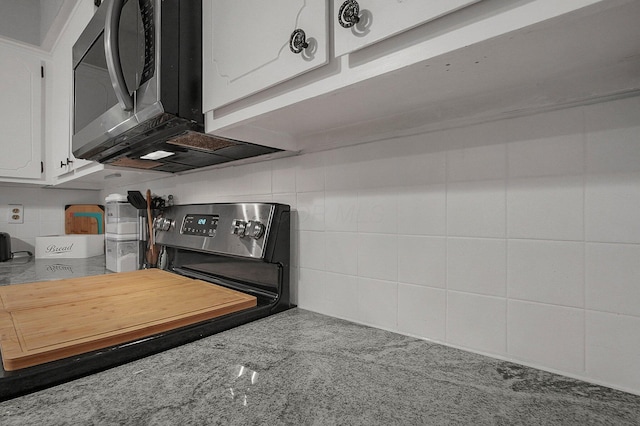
point(203, 225)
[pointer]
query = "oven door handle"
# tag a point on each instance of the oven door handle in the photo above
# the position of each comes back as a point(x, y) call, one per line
point(112, 53)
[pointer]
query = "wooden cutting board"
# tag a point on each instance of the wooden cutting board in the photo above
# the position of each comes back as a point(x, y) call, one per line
point(83, 219)
point(46, 321)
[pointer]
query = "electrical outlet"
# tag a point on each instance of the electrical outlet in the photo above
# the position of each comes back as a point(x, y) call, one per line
point(16, 213)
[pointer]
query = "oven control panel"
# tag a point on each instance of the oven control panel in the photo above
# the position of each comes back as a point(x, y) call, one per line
point(200, 224)
point(238, 229)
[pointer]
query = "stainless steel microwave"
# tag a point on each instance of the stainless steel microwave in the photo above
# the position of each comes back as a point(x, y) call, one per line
point(137, 71)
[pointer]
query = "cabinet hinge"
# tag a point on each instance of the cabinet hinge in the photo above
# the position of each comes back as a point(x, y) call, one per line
point(42, 71)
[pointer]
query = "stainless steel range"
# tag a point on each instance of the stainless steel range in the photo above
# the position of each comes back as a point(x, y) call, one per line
point(241, 246)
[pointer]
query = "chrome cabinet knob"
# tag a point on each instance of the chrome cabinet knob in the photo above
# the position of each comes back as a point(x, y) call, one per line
point(348, 14)
point(298, 41)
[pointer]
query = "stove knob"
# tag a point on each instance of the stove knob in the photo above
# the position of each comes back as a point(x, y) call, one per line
point(239, 227)
point(255, 229)
point(162, 224)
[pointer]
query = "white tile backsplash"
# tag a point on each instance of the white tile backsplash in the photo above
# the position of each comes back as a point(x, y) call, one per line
point(312, 250)
point(341, 210)
point(612, 349)
point(478, 322)
point(519, 237)
point(310, 172)
point(342, 252)
point(613, 278)
point(547, 335)
point(548, 144)
point(486, 162)
point(613, 136)
point(477, 265)
point(422, 311)
point(612, 207)
point(341, 296)
point(476, 209)
point(422, 210)
point(378, 256)
point(422, 260)
point(378, 211)
point(283, 175)
point(311, 211)
point(546, 208)
point(547, 272)
point(378, 303)
point(311, 289)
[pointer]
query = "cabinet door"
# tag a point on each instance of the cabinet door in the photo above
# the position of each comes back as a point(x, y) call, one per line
point(246, 45)
point(359, 23)
point(20, 114)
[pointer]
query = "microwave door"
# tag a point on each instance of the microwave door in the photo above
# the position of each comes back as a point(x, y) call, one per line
point(104, 105)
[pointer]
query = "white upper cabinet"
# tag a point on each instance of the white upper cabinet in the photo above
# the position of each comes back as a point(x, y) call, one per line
point(250, 45)
point(359, 23)
point(21, 86)
point(412, 66)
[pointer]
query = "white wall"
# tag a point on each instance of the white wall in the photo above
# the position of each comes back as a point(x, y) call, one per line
point(43, 212)
point(517, 238)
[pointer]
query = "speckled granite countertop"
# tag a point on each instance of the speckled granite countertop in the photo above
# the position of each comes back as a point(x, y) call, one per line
point(302, 368)
point(29, 269)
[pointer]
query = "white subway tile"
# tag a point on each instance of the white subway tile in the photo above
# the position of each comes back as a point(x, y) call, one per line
point(311, 211)
point(559, 152)
point(551, 336)
point(342, 252)
point(476, 209)
point(378, 211)
point(613, 278)
point(283, 175)
point(341, 293)
point(294, 273)
point(422, 260)
point(477, 322)
point(378, 256)
point(613, 136)
point(241, 181)
point(612, 348)
point(422, 311)
point(50, 227)
point(547, 271)
point(378, 303)
point(422, 210)
point(286, 198)
point(546, 208)
point(32, 214)
point(378, 166)
point(341, 211)
point(310, 172)
point(477, 163)
point(311, 290)
point(419, 164)
point(476, 265)
point(312, 250)
point(341, 168)
point(260, 174)
point(612, 208)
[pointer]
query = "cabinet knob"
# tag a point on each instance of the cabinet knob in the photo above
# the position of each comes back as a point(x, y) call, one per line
point(298, 41)
point(348, 14)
